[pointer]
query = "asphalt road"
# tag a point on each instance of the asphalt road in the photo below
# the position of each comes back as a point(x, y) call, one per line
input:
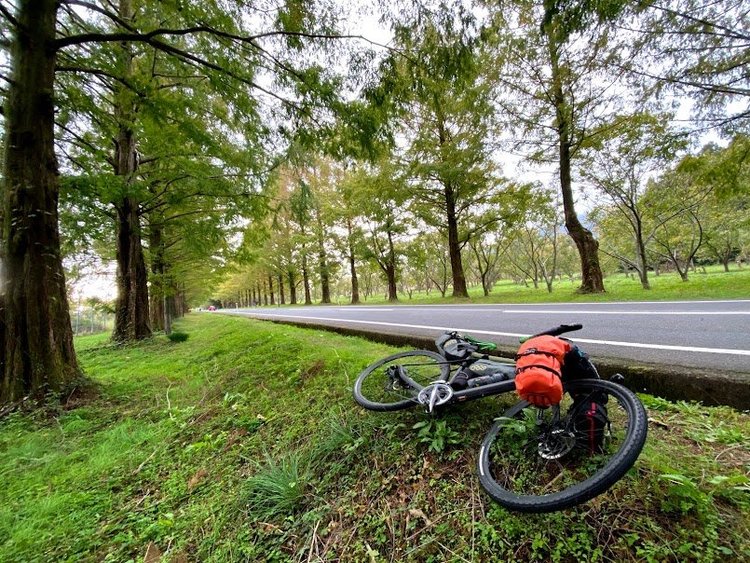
point(714, 335)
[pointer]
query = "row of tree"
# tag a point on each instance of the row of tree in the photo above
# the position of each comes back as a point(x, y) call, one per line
point(354, 232)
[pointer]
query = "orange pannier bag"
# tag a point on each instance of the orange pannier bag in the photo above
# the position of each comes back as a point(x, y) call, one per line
point(538, 370)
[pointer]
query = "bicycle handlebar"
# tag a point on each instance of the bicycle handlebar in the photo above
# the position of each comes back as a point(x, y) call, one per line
point(557, 331)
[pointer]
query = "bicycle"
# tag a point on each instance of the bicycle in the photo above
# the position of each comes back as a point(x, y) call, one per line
point(532, 459)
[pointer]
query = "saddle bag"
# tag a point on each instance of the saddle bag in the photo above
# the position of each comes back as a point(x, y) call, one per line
point(539, 364)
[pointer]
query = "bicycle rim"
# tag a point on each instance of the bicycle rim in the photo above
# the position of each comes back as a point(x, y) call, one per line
point(378, 387)
point(532, 461)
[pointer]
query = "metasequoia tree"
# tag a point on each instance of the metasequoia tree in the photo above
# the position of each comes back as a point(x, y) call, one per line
point(36, 339)
point(555, 89)
point(36, 353)
point(441, 107)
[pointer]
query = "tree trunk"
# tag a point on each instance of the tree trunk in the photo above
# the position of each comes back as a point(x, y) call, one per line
point(454, 247)
point(592, 280)
point(282, 298)
point(306, 278)
point(390, 270)
point(292, 288)
point(36, 351)
point(270, 289)
point(131, 309)
point(392, 289)
point(352, 264)
point(325, 284)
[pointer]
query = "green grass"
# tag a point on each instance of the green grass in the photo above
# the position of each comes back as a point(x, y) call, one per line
point(714, 283)
point(243, 444)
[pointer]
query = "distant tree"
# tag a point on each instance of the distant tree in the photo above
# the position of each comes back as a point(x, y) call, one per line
point(618, 162)
point(442, 109)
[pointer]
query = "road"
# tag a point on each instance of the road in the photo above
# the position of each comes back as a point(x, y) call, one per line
point(714, 335)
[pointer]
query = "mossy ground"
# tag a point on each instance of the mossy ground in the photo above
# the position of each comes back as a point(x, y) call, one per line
point(244, 444)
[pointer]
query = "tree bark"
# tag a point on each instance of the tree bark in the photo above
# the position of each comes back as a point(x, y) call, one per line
point(592, 279)
point(36, 350)
point(306, 277)
point(454, 247)
point(325, 286)
point(352, 263)
point(270, 289)
point(131, 309)
point(282, 298)
point(390, 270)
point(292, 288)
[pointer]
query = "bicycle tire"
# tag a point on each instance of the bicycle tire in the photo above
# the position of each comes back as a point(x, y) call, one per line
point(629, 445)
point(372, 377)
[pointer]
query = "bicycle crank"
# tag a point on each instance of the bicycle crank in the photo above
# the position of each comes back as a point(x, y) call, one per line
point(434, 395)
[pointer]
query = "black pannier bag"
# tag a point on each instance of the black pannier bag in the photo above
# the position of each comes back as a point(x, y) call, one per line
point(588, 414)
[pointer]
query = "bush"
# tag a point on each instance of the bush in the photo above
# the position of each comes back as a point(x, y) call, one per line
point(178, 336)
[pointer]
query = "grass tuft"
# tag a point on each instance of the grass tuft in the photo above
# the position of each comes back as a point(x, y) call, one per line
point(278, 489)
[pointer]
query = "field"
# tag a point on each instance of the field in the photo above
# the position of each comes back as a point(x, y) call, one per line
point(714, 283)
point(244, 444)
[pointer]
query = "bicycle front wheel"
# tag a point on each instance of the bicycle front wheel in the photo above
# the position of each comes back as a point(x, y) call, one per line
point(379, 387)
point(542, 460)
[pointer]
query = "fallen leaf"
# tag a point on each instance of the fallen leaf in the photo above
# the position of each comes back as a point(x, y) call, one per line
point(196, 479)
point(153, 554)
point(417, 513)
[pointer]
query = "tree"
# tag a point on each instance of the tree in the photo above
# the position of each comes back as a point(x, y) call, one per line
point(442, 109)
point(555, 88)
point(380, 197)
point(676, 224)
point(636, 148)
point(36, 339)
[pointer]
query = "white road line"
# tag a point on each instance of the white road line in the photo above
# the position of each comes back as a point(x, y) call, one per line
point(585, 303)
point(584, 312)
point(514, 334)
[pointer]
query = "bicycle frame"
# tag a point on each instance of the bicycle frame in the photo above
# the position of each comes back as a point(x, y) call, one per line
point(470, 393)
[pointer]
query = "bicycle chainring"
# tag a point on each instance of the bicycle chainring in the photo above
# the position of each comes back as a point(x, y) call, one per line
point(435, 394)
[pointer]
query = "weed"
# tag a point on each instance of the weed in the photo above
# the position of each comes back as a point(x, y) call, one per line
point(178, 336)
point(436, 434)
point(278, 488)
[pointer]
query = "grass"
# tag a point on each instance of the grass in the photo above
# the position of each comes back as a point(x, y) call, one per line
point(243, 444)
point(714, 283)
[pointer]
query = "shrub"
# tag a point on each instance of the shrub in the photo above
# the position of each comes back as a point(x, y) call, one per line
point(178, 336)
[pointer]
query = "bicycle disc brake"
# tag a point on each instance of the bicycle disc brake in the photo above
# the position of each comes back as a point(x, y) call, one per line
point(434, 395)
point(556, 444)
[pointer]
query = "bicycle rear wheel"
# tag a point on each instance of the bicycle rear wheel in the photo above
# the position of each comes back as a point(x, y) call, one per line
point(379, 387)
point(542, 460)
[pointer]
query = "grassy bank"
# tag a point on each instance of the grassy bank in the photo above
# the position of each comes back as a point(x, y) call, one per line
point(243, 444)
point(714, 283)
